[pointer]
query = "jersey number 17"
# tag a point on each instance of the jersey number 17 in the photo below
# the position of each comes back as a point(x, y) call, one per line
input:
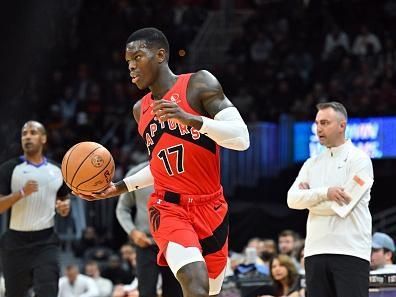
point(164, 156)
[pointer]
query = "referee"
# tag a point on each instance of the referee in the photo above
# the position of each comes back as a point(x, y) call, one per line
point(32, 187)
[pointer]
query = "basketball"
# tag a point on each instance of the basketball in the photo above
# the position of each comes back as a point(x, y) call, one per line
point(88, 167)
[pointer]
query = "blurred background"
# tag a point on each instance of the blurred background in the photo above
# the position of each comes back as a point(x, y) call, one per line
point(62, 63)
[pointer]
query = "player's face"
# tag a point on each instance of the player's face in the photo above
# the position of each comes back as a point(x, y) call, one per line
point(330, 127)
point(142, 63)
point(32, 138)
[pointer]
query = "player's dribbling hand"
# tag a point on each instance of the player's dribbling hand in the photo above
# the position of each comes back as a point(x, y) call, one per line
point(168, 110)
point(338, 195)
point(110, 191)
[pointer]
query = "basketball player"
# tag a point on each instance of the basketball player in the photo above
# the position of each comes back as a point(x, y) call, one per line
point(32, 187)
point(183, 121)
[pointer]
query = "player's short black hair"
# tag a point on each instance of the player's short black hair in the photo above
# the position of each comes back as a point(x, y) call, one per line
point(152, 36)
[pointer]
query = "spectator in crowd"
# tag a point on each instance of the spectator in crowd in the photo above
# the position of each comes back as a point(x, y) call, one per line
point(333, 243)
point(128, 256)
point(88, 240)
point(383, 249)
point(105, 286)
point(286, 242)
point(285, 277)
point(366, 43)
point(115, 272)
point(336, 39)
point(267, 250)
point(76, 284)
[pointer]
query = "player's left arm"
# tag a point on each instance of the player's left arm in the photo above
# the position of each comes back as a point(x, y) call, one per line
point(220, 120)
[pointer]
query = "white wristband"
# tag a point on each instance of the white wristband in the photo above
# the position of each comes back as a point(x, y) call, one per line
point(140, 179)
point(22, 192)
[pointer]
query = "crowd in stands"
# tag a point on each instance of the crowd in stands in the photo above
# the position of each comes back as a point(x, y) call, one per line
point(288, 56)
point(275, 266)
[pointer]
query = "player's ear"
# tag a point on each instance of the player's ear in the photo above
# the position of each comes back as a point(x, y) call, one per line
point(44, 139)
point(161, 55)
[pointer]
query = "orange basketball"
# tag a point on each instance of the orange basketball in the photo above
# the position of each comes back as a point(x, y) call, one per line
point(88, 167)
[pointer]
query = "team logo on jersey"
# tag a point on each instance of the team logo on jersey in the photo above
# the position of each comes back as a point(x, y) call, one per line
point(175, 98)
point(97, 161)
point(155, 217)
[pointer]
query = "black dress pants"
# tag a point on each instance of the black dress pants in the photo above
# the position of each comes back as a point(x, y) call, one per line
point(330, 275)
point(30, 259)
point(147, 272)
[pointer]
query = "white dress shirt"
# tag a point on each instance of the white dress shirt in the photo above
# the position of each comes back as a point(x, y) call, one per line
point(105, 286)
point(387, 269)
point(83, 286)
point(327, 233)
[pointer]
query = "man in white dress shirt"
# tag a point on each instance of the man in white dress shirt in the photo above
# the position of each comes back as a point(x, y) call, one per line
point(337, 250)
point(105, 286)
point(74, 284)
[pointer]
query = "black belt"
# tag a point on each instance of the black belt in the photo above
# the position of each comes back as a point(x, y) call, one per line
point(172, 197)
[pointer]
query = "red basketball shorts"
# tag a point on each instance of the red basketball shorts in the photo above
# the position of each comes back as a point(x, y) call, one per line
point(192, 221)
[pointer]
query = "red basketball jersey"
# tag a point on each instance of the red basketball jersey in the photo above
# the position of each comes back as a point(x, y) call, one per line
point(181, 159)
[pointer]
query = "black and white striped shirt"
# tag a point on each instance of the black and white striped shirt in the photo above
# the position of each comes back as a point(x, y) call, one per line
point(36, 211)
